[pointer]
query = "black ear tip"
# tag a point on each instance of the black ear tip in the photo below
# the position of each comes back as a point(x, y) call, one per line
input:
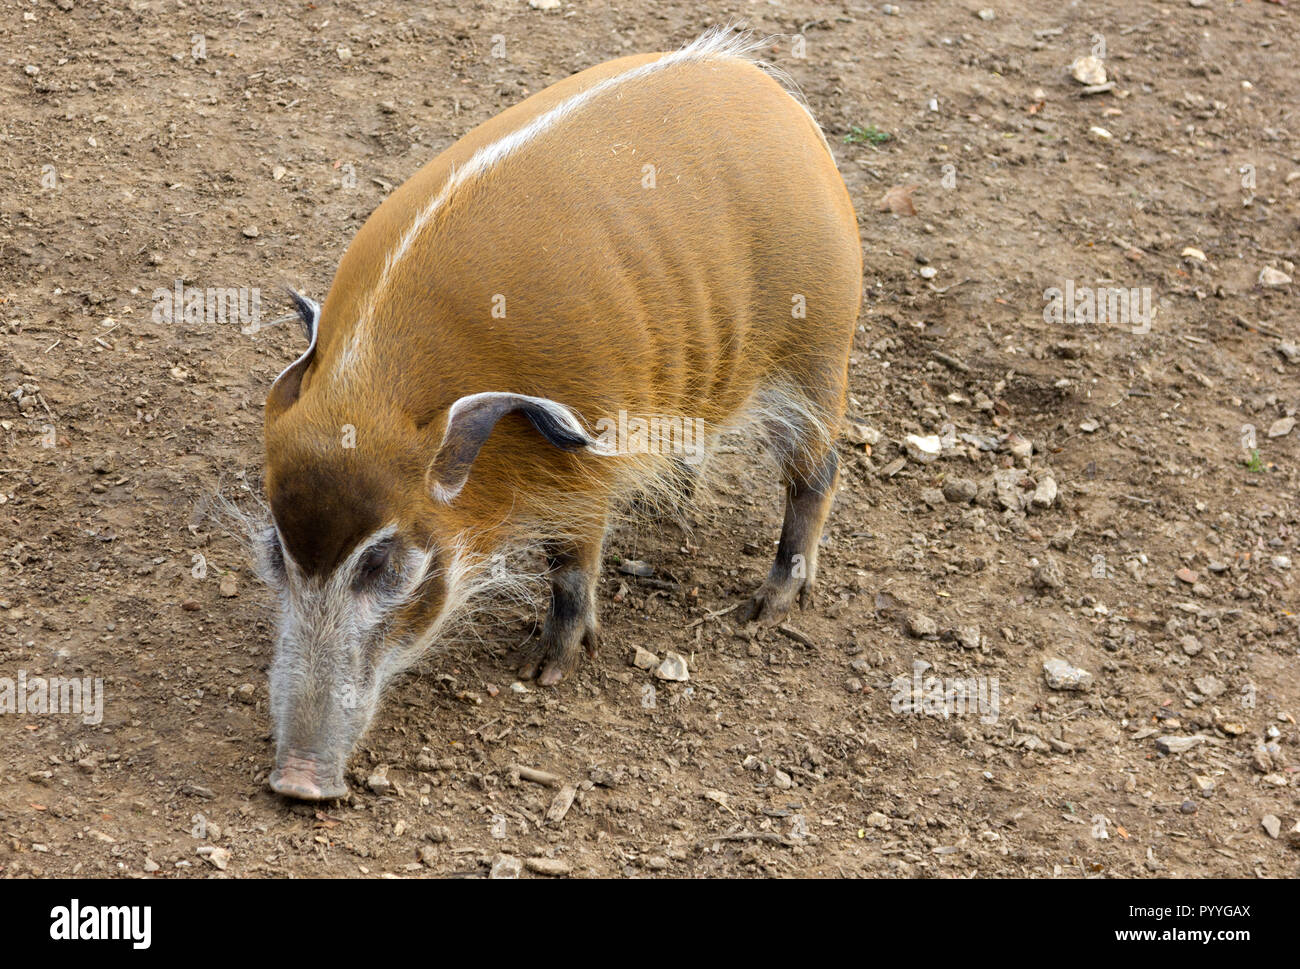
point(308, 309)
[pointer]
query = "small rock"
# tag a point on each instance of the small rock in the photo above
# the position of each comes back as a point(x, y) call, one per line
point(344, 53)
point(921, 626)
point(1061, 540)
point(1204, 784)
point(150, 865)
point(561, 803)
point(251, 231)
point(428, 855)
point(927, 272)
point(641, 570)
point(1020, 447)
point(229, 588)
point(214, 855)
point(960, 491)
point(378, 781)
point(986, 14)
point(643, 659)
point(246, 693)
point(544, 4)
point(1268, 276)
point(968, 636)
point(1061, 675)
point(1045, 493)
point(1047, 575)
point(554, 867)
point(1186, 576)
point(1293, 836)
point(1088, 70)
point(673, 668)
point(1272, 824)
point(1177, 745)
point(1194, 254)
point(506, 866)
point(1090, 426)
point(1289, 349)
point(923, 449)
point(782, 780)
point(1191, 645)
point(864, 434)
point(1098, 133)
point(877, 820)
point(1282, 427)
point(1209, 686)
point(932, 497)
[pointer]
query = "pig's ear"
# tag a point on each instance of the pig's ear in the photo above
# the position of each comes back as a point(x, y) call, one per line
point(470, 421)
point(286, 387)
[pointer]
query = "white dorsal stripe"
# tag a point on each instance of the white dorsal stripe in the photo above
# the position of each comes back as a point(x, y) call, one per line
point(717, 42)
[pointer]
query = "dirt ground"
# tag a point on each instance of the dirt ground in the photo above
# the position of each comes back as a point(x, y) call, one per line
point(153, 141)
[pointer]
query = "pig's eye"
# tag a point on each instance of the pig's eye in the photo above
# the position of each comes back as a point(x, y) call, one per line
point(374, 562)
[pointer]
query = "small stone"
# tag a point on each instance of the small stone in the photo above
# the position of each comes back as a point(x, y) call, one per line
point(1047, 575)
point(1098, 133)
point(922, 626)
point(1045, 493)
point(1209, 686)
point(214, 855)
point(968, 636)
point(932, 497)
point(673, 668)
point(1204, 784)
point(438, 834)
point(1272, 824)
point(986, 14)
point(960, 491)
point(643, 659)
point(1191, 645)
point(1194, 254)
point(228, 588)
point(1061, 675)
point(246, 693)
point(1020, 447)
point(642, 570)
point(544, 4)
point(344, 53)
point(927, 272)
point(877, 820)
point(561, 803)
point(923, 449)
point(378, 781)
point(428, 855)
point(506, 866)
point(554, 867)
point(1289, 349)
point(1090, 426)
point(1293, 836)
point(1088, 70)
point(864, 434)
point(1062, 538)
point(251, 231)
point(1282, 427)
point(1186, 576)
point(1187, 807)
point(893, 467)
point(853, 685)
point(150, 865)
point(1233, 728)
point(782, 780)
point(1177, 745)
point(1268, 276)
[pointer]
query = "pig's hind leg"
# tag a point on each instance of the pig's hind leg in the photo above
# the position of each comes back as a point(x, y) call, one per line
point(571, 626)
point(799, 431)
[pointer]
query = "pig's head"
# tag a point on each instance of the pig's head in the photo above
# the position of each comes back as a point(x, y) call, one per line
point(371, 547)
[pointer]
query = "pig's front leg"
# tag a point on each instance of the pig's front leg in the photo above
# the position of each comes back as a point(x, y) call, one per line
point(571, 624)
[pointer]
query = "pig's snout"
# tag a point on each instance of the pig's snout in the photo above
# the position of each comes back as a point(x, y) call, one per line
point(307, 777)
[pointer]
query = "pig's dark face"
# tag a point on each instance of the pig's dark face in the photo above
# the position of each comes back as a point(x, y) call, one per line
point(347, 627)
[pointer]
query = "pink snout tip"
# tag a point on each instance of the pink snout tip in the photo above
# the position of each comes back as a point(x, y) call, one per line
point(303, 777)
